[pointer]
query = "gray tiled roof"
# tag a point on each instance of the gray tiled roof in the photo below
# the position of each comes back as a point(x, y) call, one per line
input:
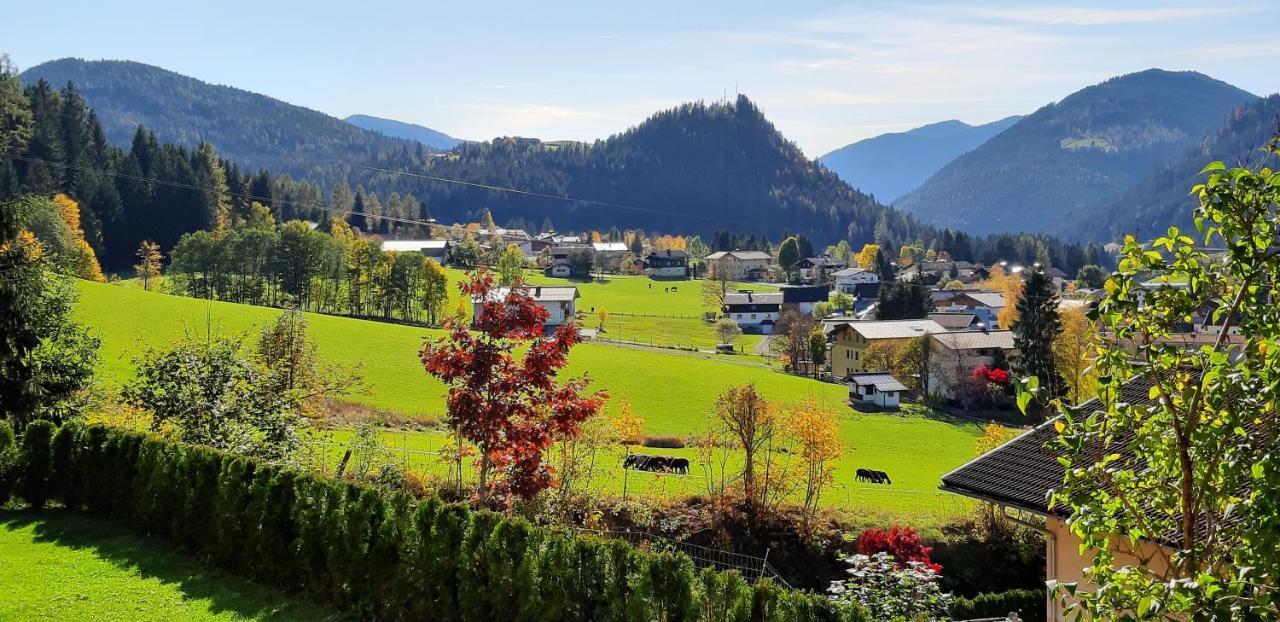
point(976, 339)
point(881, 381)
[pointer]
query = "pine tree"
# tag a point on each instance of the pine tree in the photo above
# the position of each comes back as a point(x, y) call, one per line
point(1034, 333)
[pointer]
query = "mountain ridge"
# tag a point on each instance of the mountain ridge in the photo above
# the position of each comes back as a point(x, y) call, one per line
point(407, 131)
point(890, 165)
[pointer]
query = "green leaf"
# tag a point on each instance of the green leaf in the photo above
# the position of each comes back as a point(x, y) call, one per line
point(1216, 165)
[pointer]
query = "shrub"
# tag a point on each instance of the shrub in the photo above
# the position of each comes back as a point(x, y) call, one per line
point(37, 462)
point(1028, 604)
point(889, 590)
point(903, 543)
point(8, 462)
point(664, 442)
point(62, 480)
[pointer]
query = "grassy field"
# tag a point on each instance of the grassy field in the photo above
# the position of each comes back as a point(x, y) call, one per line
point(673, 391)
point(60, 566)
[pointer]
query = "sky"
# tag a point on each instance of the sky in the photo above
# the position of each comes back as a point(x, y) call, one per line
point(826, 73)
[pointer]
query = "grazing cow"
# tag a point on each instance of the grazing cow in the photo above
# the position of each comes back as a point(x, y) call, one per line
point(884, 477)
point(862, 475)
point(872, 476)
point(680, 465)
point(636, 461)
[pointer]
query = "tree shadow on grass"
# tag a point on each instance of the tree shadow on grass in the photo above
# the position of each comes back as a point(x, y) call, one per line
point(158, 559)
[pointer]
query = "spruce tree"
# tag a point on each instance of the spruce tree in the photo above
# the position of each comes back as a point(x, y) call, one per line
point(1033, 334)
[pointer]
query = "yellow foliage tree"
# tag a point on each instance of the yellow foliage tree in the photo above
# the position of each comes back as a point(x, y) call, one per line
point(1073, 354)
point(628, 425)
point(85, 261)
point(993, 435)
point(866, 257)
point(1011, 286)
point(814, 430)
point(148, 266)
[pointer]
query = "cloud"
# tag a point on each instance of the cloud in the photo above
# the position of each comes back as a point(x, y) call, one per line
point(1080, 16)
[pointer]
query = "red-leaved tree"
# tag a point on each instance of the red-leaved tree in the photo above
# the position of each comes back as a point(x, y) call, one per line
point(903, 543)
point(512, 409)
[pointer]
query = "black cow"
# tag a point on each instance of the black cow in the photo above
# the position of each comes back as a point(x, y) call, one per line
point(872, 476)
point(680, 465)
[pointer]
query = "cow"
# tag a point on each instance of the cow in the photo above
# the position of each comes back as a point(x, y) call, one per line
point(680, 465)
point(872, 476)
point(636, 461)
point(862, 475)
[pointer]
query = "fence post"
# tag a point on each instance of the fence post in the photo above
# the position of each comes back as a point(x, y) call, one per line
point(764, 564)
point(625, 473)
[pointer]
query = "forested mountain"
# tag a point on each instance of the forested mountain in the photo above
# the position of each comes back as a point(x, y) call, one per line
point(1075, 154)
point(890, 165)
point(1148, 208)
point(408, 131)
point(253, 130)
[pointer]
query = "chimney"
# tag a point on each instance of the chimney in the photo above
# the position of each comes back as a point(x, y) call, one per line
point(537, 292)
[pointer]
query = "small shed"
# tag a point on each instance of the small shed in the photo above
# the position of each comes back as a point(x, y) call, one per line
point(878, 388)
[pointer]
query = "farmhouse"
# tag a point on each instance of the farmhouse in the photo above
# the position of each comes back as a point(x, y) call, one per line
point(958, 353)
point(814, 267)
point(609, 254)
point(558, 300)
point(801, 298)
point(560, 268)
point(739, 265)
point(754, 312)
point(876, 388)
point(667, 264)
point(435, 249)
point(1020, 474)
point(850, 340)
point(986, 304)
point(519, 237)
point(848, 279)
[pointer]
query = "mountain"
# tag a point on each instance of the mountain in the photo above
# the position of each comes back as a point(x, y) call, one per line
point(253, 130)
point(1071, 156)
point(890, 165)
point(408, 131)
point(1148, 208)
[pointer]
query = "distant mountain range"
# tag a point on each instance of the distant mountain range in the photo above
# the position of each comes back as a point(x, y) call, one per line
point(1068, 159)
point(253, 130)
point(890, 165)
point(408, 131)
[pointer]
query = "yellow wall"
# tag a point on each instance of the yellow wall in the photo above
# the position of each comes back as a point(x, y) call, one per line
point(1065, 563)
point(848, 353)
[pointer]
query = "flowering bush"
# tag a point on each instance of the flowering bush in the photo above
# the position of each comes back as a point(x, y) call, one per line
point(903, 543)
point(891, 590)
point(993, 375)
point(986, 387)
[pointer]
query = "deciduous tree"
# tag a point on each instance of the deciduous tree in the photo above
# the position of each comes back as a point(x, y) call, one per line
point(148, 266)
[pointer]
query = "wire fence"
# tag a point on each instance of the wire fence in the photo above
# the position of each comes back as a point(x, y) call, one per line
point(750, 567)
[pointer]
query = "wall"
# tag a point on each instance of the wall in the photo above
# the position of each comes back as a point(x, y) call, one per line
point(1065, 563)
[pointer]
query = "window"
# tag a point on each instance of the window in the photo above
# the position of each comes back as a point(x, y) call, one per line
point(753, 316)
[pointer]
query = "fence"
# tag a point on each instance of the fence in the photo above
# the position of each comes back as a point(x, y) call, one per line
point(752, 568)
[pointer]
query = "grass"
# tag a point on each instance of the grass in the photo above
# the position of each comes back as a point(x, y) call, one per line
point(61, 566)
point(673, 391)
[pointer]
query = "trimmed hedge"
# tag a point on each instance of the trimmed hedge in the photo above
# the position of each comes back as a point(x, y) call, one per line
point(384, 556)
point(1029, 604)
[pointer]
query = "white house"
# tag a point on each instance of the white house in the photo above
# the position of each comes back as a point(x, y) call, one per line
point(754, 312)
point(667, 264)
point(435, 249)
point(847, 280)
point(558, 300)
point(561, 269)
point(877, 388)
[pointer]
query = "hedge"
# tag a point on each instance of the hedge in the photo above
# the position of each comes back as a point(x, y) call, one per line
point(1029, 604)
point(383, 556)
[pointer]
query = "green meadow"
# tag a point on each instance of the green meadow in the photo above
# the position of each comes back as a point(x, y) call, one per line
point(673, 391)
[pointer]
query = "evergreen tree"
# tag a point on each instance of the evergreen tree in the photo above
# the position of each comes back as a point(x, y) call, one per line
point(1034, 332)
point(356, 217)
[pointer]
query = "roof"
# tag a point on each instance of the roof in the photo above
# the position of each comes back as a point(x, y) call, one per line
point(1055, 273)
point(505, 233)
point(740, 255)
point(954, 321)
point(408, 246)
point(823, 260)
point(866, 290)
point(609, 247)
point(669, 253)
point(848, 272)
point(976, 339)
point(1023, 471)
point(894, 329)
point(540, 293)
point(757, 298)
point(880, 380)
point(805, 293)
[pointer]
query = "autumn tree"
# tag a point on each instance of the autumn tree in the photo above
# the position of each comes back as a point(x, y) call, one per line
point(1073, 354)
point(602, 314)
point(511, 409)
point(510, 264)
point(749, 419)
point(814, 431)
point(790, 337)
point(727, 330)
point(817, 348)
point(83, 260)
point(789, 256)
point(715, 287)
point(915, 363)
point(866, 258)
point(881, 355)
point(1010, 285)
point(148, 266)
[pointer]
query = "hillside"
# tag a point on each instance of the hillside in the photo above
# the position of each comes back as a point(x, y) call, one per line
point(252, 130)
point(1149, 207)
point(698, 167)
point(1080, 152)
point(408, 131)
point(890, 165)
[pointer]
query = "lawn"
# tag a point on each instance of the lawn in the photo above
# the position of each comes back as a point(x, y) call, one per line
point(61, 566)
point(673, 391)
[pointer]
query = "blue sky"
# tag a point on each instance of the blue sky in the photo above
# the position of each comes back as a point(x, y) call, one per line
point(825, 73)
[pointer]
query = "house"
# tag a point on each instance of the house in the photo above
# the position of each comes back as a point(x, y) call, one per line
point(958, 353)
point(802, 297)
point(957, 320)
point(876, 388)
point(560, 268)
point(850, 340)
point(1058, 277)
point(559, 300)
point(1020, 474)
point(754, 312)
point(563, 251)
point(667, 264)
point(848, 279)
point(812, 268)
point(519, 237)
point(739, 265)
point(609, 254)
point(937, 271)
point(435, 249)
point(986, 304)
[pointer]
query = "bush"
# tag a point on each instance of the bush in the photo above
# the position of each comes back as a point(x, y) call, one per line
point(664, 442)
point(381, 554)
point(903, 543)
point(37, 462)
point(1029, 605)
point(8, 462)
